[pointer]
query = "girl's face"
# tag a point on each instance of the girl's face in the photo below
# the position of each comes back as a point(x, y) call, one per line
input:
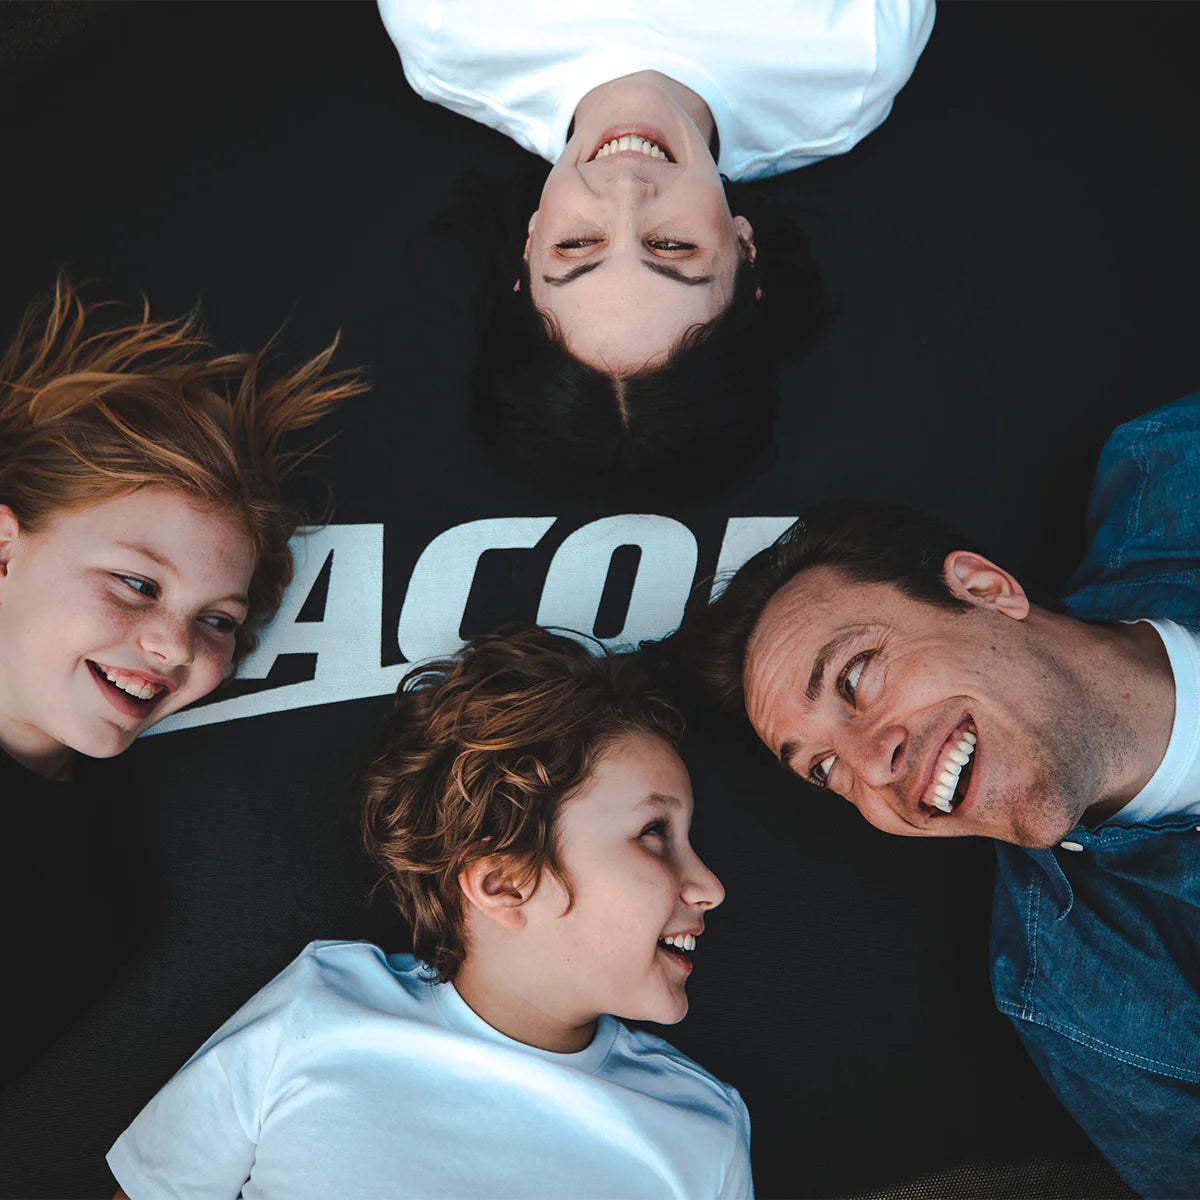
point(113, 616)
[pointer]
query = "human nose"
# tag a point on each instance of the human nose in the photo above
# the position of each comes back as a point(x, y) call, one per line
point(625, 183)
point(875, 754)
point(168, 637)
point(701, 888)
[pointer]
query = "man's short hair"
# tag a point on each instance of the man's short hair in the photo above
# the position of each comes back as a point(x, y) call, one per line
point(869, 541)
point(477, 758)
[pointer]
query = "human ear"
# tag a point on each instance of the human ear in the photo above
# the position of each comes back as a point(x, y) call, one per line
point(10, 536)
point(528, 245)
point(496, 890)
point(979, 581)
point(745, 234)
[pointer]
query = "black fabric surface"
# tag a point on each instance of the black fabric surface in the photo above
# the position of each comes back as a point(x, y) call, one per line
point(1014, 252)
point(71, 891)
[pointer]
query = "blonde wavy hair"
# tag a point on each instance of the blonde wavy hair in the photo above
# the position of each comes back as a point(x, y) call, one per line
point(477, 758)
point(93, 407)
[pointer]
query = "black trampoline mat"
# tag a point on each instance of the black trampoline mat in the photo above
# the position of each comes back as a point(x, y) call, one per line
point(1014, 254)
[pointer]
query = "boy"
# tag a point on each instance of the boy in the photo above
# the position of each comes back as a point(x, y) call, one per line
point(531, 817)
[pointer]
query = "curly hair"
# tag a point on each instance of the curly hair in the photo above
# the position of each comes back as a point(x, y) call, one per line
point(91, 410)
point(477, 758)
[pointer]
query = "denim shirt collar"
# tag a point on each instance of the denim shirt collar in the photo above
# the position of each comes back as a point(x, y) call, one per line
point(1106, 838)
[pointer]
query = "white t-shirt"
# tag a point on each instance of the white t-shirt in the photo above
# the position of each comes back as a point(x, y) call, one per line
point(1174, 789)
point(352, 1076)
point(788, 81)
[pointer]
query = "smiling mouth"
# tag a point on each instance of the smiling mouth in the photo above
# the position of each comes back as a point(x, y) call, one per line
point(634, 142)
point(131, 686)
point(679, 947)
point(952, 772)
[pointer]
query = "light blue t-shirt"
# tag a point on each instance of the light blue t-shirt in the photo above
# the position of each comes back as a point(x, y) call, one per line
point(351, 1077)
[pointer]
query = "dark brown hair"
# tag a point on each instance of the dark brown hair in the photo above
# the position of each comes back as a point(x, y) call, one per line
point(691, 424)
point(868, 541)
point(478, 756)
point(93, 408)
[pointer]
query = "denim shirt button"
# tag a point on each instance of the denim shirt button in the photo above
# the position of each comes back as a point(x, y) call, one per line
point(1070, 845)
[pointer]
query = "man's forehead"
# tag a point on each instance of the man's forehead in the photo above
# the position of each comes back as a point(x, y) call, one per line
point(817, 603)
point(815, 610)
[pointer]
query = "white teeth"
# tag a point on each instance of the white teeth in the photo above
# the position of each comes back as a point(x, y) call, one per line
point(945, 782)
point(131, 685)
point(631, 142)
point(681, 941)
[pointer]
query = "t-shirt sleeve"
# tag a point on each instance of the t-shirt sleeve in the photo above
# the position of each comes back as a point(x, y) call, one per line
point(196, 1138)
point(738, 1184)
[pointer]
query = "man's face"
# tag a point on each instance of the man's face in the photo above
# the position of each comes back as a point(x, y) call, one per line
point(113, 616)
point(906, 708)
point(633, 242)
point(623, 844)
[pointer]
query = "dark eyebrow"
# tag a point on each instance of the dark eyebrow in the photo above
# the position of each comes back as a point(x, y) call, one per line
point(675, 273)
point(816, 680)
point(785, 754)
point(828, 652)
point(659, 268)
point(573, 274)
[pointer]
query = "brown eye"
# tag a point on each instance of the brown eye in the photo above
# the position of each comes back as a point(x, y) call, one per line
point(670, 246)
point(576, 243)
point(852, 674)
point(819, 772)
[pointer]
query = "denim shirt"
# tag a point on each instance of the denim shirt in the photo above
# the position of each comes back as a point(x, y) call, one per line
point(1096, 950)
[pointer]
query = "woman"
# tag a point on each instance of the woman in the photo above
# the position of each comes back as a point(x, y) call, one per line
point(642, 299)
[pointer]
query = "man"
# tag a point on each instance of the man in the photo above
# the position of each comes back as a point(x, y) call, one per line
point(878, 654)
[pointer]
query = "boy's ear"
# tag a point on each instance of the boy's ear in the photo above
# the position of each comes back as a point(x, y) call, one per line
point(10, 535)
point(496, 890)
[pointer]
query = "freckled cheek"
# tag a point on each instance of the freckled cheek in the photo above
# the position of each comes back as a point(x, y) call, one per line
point(209, 668)
point(89, 624)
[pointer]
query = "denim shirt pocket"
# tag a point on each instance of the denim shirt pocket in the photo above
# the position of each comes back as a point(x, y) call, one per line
point(1103, 946)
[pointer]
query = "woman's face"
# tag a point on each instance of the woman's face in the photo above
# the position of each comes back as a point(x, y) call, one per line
point(633, 242)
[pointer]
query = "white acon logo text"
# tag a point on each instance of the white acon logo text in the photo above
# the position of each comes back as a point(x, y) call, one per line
point(347, 640)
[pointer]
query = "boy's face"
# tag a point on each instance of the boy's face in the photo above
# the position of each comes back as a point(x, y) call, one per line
point(623, 843)
point(111, 617)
